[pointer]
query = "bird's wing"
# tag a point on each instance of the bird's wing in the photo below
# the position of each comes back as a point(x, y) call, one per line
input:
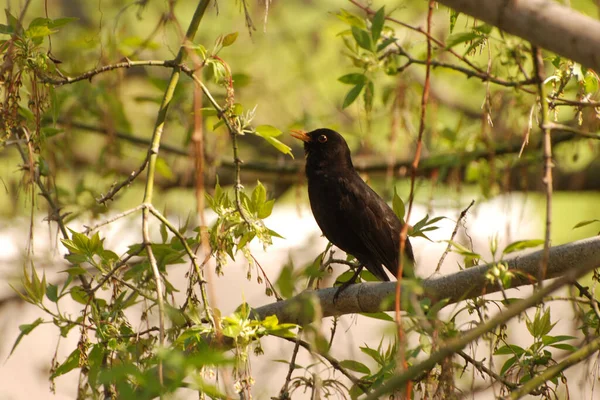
point(376, 225)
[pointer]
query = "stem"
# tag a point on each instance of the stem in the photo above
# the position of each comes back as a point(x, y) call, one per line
point(152, 158)
point(538, 63)
point(415, 164)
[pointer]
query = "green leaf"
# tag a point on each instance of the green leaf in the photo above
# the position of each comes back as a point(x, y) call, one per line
point(584, 223)
point(11, 19)
point(285, 281)
point(556, 61)
point(209, 112)
point(95, 244)
point(377, 24)
point(344, 277)
point(362, 37)
point(38, 22)
point(269, 133)
point(475, 44)
point(459, 38)
point(352, 95)
point(385, 43)
point(368, 96)
point(380, 315)
point(218, 125)
point(230, 39)
point(266, 131)
point(462, 250)
point(241, 80)
point(374, 354)
point(351, 18)
point(355, 366)
point(266, 209)
point(70, 364)
point(353, 79)
point(38, 31)
point(59, 22)
point(484, 29)
point(25, 330)
point(274, 234)
point(246, 238)
point(398, 206)
point(49, 131)
point(542, 324)
point(6, 30)
point(285, 149)
point(453, 17)
point(52, 292)
point(163, 168)
point(509, 363)
point(522, 244)
point(80, 295)
point(75, 270)
point(548, 340)
point(510, 349)
point(94, 359)
point(164, 235)
point(564, 346)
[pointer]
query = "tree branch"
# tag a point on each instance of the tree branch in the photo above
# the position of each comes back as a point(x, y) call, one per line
point(462, 285)
point(544, 23)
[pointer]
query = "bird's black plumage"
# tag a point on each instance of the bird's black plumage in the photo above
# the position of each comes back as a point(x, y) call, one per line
point(351, 215)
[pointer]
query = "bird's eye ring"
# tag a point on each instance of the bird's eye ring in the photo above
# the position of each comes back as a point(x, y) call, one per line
point(322, 139)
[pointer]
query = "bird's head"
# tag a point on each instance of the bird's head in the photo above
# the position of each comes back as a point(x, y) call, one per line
point(324, 148)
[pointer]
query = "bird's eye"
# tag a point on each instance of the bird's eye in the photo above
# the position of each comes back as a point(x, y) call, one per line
point(322, 139)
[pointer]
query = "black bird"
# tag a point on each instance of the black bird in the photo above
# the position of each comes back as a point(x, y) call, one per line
point(351, 215)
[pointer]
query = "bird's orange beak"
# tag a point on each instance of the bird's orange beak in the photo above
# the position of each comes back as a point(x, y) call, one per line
point(300, 134)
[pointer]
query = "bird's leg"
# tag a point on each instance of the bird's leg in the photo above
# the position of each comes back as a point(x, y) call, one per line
point(348, 282)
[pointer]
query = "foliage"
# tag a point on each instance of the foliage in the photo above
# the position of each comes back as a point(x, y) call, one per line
point(140, 336)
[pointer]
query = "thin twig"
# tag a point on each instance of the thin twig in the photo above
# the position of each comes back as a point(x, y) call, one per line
point(558, 101)
point(584, 291)
point(528, 131)
point(270, 285)
point(115, 189)
point(112, 219)
point(65, 80)
point(284, 392)
point(482, 368)
point(483, 76)
point(462, 215)
point(333, 362)
point(117, 266)
point(567, 128)
point(237, 187)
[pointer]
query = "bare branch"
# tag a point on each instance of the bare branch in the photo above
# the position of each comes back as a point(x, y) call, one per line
point(462, 285)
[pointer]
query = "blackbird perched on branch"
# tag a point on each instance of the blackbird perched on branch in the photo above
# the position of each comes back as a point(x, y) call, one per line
point(351, 215)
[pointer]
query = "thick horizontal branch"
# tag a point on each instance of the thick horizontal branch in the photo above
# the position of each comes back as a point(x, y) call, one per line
point(544, 23)
point(462, 285)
